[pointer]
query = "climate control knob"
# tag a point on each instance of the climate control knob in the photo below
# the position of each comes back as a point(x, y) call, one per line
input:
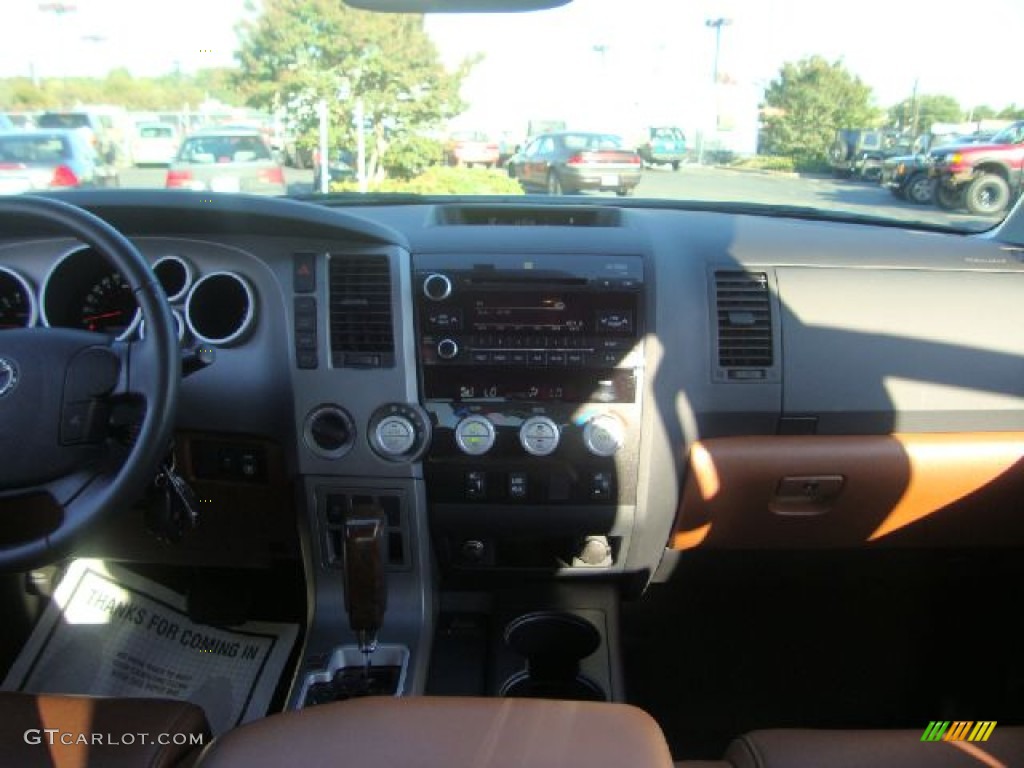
point(474, 435)
point(396, 435)
point(437, 287)
point(447, 349)
point(604, 435)
point(539, 436)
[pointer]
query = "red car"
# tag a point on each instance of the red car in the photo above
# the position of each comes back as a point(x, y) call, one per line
point(471, 148)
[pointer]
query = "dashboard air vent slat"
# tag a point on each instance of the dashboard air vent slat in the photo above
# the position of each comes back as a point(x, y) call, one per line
point(362, 333)
point(744, 320)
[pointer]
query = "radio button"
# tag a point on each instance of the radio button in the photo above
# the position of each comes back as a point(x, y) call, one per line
point(474, 435)
point(518, 358)
point(481, 357)
point(447, 349)
point(539, 436)
point(556, 358)
point(537, 358)
point(574, 358)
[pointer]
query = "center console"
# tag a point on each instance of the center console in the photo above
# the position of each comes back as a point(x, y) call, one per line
point(531, 371)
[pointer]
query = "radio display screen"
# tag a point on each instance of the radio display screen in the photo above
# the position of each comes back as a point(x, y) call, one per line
point(535, 312)
point(467, 384)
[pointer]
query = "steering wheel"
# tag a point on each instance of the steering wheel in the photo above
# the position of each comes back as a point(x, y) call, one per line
point(60, 470)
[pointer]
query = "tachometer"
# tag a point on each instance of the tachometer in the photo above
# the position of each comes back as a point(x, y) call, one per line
point(17, 302)
point(84, 291)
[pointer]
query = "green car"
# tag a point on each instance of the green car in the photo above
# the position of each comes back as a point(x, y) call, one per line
point(665, 145)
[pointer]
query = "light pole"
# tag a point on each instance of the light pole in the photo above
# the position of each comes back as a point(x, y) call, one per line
point(60, 10)
point(717, 24)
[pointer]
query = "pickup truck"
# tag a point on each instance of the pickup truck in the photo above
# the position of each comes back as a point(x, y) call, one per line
point(984, 178)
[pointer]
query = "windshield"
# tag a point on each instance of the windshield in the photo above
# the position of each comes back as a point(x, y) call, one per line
point(730, 103)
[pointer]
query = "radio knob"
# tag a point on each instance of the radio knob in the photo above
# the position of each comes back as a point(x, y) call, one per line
point(539, 436)
point(437, 287)
point(604, 435)
point(474, 435)
point(447, 349)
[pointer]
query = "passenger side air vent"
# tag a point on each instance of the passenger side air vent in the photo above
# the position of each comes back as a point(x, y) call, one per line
point(744, 323)
point(520, 216)
point(362, 335)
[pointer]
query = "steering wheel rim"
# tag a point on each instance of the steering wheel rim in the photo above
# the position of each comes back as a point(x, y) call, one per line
point(149, 369)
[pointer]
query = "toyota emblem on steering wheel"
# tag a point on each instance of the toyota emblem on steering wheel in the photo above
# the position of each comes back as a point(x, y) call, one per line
point(8, 376)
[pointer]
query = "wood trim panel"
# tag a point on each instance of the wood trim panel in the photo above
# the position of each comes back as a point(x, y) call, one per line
point(949, 489)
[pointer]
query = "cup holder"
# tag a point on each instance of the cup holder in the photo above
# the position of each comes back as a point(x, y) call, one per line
point(553, 644)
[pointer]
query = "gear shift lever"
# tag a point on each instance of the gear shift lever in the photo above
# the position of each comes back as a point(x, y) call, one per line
point(366, 593)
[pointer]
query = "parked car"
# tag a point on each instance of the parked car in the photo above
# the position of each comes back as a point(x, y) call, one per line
point(665, 145)
point(154, 144)
point(986, 178)
point(98, 130)
point(572, 161)
point(471, 148)
point(341, 166)
point(226, 161)
point(5, 123)
point(49, 159)
point(859, 153)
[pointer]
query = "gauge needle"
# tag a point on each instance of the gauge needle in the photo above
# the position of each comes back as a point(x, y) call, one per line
point(104, 316)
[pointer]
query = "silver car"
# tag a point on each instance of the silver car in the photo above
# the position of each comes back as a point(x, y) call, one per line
point(49, 159)
point(226, 161)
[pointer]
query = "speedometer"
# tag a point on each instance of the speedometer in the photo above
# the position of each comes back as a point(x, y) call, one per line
point(108, 306)
point(85, 291)
point(17, 304)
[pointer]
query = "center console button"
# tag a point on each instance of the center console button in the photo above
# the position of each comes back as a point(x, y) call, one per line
point(475, 435)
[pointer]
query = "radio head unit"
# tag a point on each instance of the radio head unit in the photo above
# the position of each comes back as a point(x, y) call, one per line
point(553, 328)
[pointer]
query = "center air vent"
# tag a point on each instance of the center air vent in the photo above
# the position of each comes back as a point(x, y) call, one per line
point(744, 323)
point(362, 335)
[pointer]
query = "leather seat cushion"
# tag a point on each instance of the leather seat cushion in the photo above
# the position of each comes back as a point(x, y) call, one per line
point(444, 732)
point(86, 727)
point(797, 748)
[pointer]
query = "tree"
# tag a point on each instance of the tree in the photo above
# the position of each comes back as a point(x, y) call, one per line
point(918, 114)
point(1012, 112)
point(981, 112)
point(807, 103)
point(295, 52)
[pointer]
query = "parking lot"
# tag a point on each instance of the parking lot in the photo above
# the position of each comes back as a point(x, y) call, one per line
point(704, 183)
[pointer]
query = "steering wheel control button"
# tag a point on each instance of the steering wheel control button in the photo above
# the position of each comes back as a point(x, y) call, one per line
point(604, 435)
point(304, 272)
point(539, 436)
point(437, 287)
point(329, 432)
point(396, 435)
point(475, 435)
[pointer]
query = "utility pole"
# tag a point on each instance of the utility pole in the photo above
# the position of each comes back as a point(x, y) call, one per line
point(915, 110)
point(717, 24)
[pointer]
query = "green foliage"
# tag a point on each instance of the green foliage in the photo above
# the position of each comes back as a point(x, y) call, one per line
point(982, 112)
point(766, 163)
point(167, 92)
point(411, 155)
point(1012, 112)
point(929, 108)
point(295, 52)
point(441, 180)
point(807, 103)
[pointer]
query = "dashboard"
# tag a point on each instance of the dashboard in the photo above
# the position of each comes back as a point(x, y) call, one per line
point(564, 389)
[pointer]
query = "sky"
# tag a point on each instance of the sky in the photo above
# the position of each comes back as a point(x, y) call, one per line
point(600, 57)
